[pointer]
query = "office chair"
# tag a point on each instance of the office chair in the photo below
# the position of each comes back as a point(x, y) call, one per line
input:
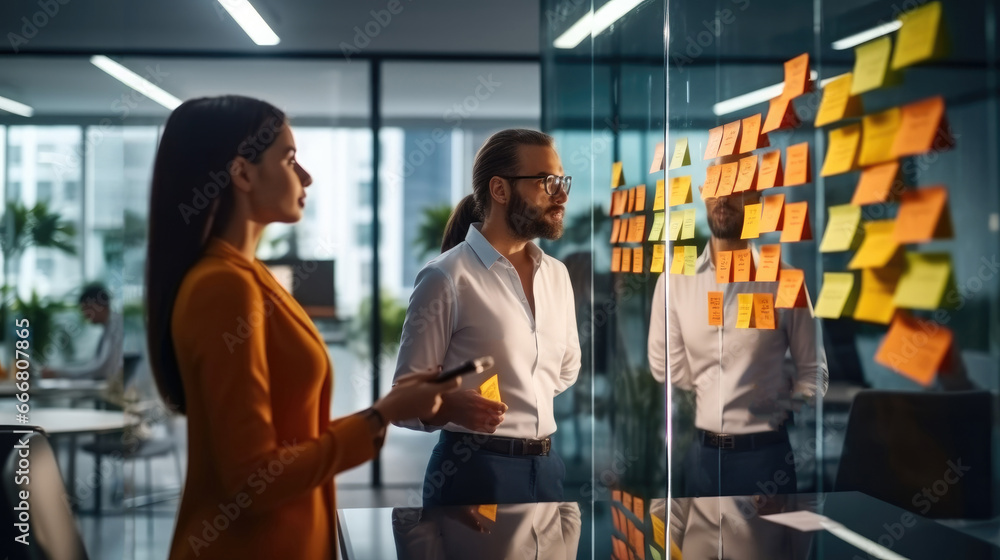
point(53, 533)
point(900, 444)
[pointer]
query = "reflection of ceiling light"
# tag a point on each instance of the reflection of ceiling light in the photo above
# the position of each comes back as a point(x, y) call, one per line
point(135, 81)
point(758, 96)
point(250, 21)
point(12, 106)
point(594, 23)
point(866, 35)
point(860, 542)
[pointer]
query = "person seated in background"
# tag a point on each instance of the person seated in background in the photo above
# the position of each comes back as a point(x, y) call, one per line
point(95, 305)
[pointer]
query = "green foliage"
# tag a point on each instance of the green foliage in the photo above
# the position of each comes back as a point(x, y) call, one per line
point(392, 314)
point(22, 227)
point(45, 330)
point(431, 230)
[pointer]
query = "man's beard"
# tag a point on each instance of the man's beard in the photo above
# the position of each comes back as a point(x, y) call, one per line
point(728, 227)
point(529, 222)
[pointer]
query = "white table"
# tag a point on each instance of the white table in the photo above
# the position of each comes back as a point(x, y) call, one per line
point(49, 389)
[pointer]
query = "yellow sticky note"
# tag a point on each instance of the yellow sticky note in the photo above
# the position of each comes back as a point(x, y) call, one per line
point(877, 247)
point(617, 176)
point(763, 311)
point(746, 177)
point(682, 155)
point(744, 311)
point(875, 300)
point(712, 176)
point(659, 532)
point(658, 255)
point(727, 178)
point(920, 38)
point(925, 280)
point(676, 222)
point(489, 511)
point(680, 190)
point(658, 198)
point(877, 184)
point(637, 260)
point(714, 315)
point(878, 135)
point(871, 65)
point(690, 259)
point(677, 264)
point(656, 230)
point(687, 224)
point(657, 164)
point(835, 295)
point(841, 229)
point(837, 102)
point(490, 389)
point(770, 263)
point(751, 221)
point(841, 156)
point(923, 215)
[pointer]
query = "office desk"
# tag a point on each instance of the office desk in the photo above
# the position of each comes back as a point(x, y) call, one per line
point(52, 389)
point(725, 527)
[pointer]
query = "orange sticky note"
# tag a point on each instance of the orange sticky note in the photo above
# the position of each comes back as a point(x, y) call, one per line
point(780, 114)
point(616, 495)
point(712, 176)
point(616, 259)
point(677, 264)
point(620, 199)
point(658, 256)
point(657, 164)
point(878, 183)
point(623, 233)
point(616, 226)
point(714, 141)
point(658, 198)
point(763, 311)
point(617, 175)
point(630, 205)
point(798, 170)
point(878, 135)
point(923, 216)
point(637, 538)
point(791, 291)
point(744, 311)
point(796, 76)
point(796, 227)
point(489, 511)
point(637, 229)
point(746, 176)
point(751, 221)
point(639, 508)
point(743, 267)
point(841, 156)
point(772, 217)
point(727, 178)
point(680, 190)
point(922, 128)
point(640, 198)
point(750, 137)
point(715, 309)
point(626, 260)
point(770, 263)
point(637, 260)
point(915, 348)
point(770, 174)
point(837, 102)
point(878, 247)
point(730, 134)
point(724, 267)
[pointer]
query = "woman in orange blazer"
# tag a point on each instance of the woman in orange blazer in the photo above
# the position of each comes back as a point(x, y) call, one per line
point(232, 349)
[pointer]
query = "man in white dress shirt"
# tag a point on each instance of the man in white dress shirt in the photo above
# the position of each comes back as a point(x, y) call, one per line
point(497, 294)
point(95, 305)
point(743, 391)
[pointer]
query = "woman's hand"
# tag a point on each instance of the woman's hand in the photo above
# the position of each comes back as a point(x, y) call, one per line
point(415, 396)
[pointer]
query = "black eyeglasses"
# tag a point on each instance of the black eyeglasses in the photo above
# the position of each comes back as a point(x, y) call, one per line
point(554, 184)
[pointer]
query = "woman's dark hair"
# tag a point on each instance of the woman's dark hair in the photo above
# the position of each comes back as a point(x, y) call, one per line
point(498, 157)
point(191, 200)
point(461, 218)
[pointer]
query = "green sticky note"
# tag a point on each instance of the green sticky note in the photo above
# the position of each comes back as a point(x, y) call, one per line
point(925, 281)
point(836, 295)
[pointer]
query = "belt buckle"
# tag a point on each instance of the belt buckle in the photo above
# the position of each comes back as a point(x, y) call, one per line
point(726, 441)
point(546, 446)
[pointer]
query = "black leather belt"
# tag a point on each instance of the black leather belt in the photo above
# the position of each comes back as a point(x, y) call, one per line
point(517, 446)
point(742, 442)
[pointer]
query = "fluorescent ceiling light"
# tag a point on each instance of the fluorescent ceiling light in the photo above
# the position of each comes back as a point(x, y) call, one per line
point(594, 23)
point(860, 542)
point(250, 21)
point(867, 35)
point(12, 106)
point(758, 96)
point(135, 81)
